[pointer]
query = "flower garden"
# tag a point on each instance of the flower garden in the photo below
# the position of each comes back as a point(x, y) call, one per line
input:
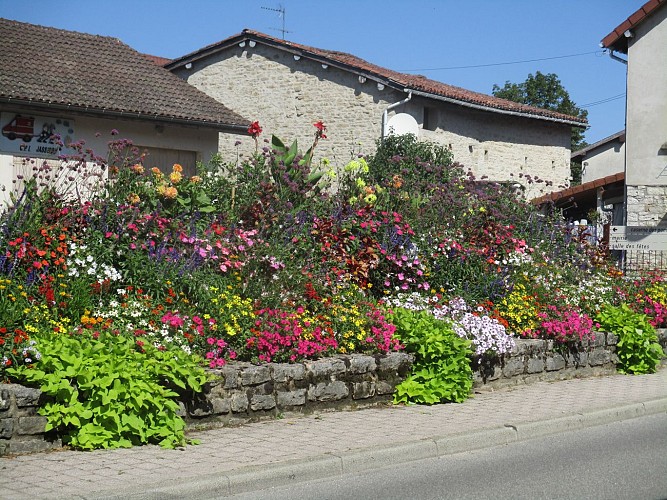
point(121, 281)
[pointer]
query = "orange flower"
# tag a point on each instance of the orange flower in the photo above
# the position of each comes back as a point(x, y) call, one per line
point(177, 168)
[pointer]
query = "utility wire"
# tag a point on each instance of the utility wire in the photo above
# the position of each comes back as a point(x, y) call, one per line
point(603, 101)
point(504, 63)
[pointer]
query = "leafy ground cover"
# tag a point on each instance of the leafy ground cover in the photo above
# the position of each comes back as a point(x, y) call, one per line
point(273, 257)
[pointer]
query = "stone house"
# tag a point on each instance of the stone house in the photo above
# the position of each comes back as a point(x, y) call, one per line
point(81, 87)
point(643, 39)
point(289, 86)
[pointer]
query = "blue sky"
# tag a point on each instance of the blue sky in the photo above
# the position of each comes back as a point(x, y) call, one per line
point(415, 36)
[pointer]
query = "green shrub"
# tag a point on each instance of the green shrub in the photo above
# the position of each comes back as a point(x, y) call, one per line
point(441, 371)
point(106, 393)
point(638, 349)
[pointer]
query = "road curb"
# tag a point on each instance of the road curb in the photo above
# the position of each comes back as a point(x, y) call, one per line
point(328, 465)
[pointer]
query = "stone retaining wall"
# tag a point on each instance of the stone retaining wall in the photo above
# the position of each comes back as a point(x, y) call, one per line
point(21, 429)
point(243, 392)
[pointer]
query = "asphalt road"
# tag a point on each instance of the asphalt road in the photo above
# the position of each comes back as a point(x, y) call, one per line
point(623, 460)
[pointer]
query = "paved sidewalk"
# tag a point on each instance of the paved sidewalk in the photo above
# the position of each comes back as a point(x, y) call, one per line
point(297, 448)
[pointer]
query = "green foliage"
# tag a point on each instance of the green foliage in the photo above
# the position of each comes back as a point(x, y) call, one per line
point(546, 92)
point(441, 371)
point(106, 393)
point(638, 349)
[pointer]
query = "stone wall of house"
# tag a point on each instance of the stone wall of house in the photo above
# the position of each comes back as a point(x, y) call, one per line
point(287, 96)
point(243, 392)
point(647, 206)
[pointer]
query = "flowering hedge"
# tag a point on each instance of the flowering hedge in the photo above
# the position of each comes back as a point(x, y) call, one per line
point(279, 258)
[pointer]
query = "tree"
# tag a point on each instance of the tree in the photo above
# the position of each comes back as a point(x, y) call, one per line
point(547, 92)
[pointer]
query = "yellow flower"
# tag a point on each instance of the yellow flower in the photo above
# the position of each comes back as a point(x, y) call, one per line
point(175, 177)
point(133, 198)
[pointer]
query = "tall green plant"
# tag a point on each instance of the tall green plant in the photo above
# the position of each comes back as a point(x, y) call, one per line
point(106, 393)
point(638, 349)
point(441, 371)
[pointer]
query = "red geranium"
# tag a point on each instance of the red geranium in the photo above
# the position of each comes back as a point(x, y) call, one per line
point(254, 129)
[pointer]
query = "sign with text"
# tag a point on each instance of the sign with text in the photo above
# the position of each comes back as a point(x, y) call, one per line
point(638, 238)
point(35, 136)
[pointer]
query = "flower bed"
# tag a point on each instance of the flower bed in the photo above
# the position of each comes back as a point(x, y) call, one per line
point(277, 258)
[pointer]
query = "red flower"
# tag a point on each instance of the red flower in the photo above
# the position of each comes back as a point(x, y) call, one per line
point(254, 129)
point(321, 128)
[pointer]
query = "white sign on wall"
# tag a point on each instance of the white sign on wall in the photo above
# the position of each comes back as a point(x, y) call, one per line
point(637, 238)
point(35, 136)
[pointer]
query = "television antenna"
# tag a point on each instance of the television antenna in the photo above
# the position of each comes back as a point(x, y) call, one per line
point(281, 14)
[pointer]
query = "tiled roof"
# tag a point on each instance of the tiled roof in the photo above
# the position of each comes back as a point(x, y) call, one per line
point(616, 40)
point(160, 61)
point(48, 67)
point(618, 136)
point(565, 194)
point(402, 81)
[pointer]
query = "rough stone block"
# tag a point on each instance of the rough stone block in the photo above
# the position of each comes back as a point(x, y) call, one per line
point(395, 362)
point(231, 376)
point(384, 387)
point(363, 390)
point(239, 402)
point(255, 375)
point(513, 367)
point(577, 359)
point(362, 364)
point(283, 372)
point(535, 365)
point(25, 446)
point(221, 406)
point(5, 401)
point(6, 428)
point(328, 391)
point(327, 368)
point(26, 396)
point(555, 362)
point(598, 341)
point(612, 339)
point(286, 399)
point(599, 357)
point(31, 425)
point(262, 402)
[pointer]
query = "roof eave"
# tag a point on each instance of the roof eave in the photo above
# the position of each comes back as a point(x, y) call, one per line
point(492, 109)
point(130, 115)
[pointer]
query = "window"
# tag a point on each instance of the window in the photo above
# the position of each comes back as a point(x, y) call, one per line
point(430, 118)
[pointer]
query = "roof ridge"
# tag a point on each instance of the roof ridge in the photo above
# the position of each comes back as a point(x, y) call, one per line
point(408, 81)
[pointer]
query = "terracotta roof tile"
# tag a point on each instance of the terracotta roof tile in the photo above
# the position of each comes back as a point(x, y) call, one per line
point(399, 80)
point(616, 40)
point(44, 66)
point(581, 188)
point(160, 61)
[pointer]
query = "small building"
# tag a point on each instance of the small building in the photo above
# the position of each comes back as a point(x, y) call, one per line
point(605, 157)
point(642, 37)
point(81, 87)
point(289, 86)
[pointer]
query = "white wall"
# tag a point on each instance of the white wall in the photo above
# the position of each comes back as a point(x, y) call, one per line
point(97, 134)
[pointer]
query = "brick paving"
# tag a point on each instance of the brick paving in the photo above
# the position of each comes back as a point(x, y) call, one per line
point(295, 438)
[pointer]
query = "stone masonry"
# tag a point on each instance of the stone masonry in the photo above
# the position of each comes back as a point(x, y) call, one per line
point(647, 206)
point(287, 96)
point(243, 392)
